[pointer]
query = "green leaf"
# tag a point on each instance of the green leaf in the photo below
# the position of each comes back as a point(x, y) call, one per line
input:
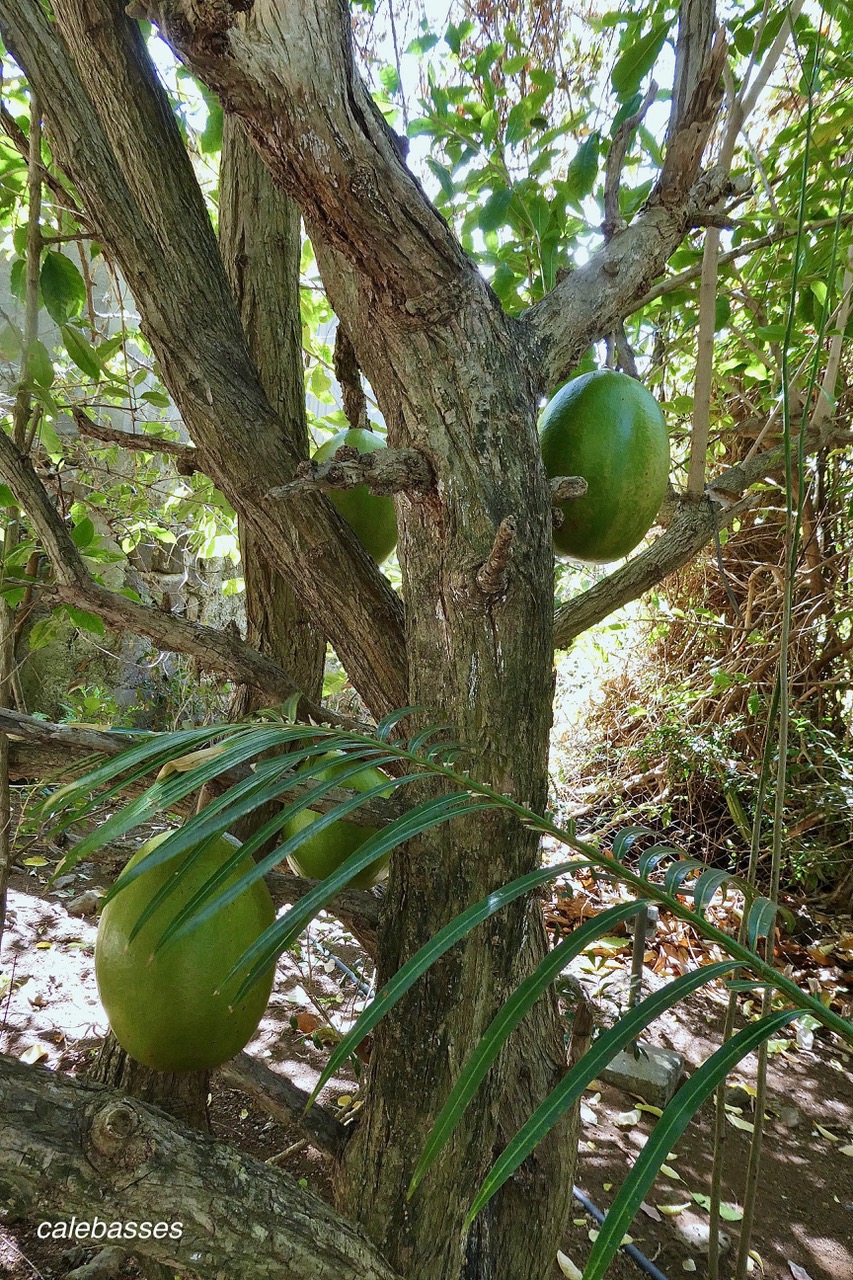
point(42, 634)
point(762, 914)
point(158, 398)
point(11, 342)
point(88, 621)
point(443, 175)
point(513, 1011)
point(668, 1130)
point(594, 1060)
point(637, 60)
point(454, 35)
point(407, 976)
point(625, 838)
point(493, 213)
point(62, 287)
point(582, 171)
point(39, 364)
point(17, 279)
point(81, 352)
point(706, 886)
point(83, 533)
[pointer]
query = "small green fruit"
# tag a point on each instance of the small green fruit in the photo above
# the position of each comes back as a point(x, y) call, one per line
point(369, 515)
point(609, 429)
point(162, 1009)
point(322, 854)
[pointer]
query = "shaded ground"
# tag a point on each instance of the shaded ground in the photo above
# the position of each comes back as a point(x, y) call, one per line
point(49, 1013)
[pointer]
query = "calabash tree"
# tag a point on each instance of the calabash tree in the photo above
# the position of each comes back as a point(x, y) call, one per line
point(459, 378)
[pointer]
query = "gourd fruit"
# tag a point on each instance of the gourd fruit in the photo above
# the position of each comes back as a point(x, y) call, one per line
point(371, 516)
point(609, 429)
point(323, 853)
point(163, 1008)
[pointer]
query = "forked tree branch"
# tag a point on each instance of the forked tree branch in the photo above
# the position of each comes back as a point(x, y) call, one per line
point(70, 1147)
point(588, 303)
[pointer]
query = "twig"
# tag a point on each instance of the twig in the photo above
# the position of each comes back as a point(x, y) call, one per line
point(492, 577)
point(565, 487)
point(185, 454)
point(613, 220)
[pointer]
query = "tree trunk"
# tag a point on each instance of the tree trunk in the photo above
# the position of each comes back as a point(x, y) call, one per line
point(482, 662)
point(183, 1094)
point(259, 238)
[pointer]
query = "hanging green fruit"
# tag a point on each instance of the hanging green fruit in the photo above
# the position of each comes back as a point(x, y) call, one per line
point(607, 428)
point(165, 1009)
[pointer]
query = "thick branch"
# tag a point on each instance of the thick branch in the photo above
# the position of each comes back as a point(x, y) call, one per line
point(69, 1147)
point(331, 150)
point(284, 1101)
point(143, 198)
point(385, 471)
point(587, 304)
point(692, 527)
point(185, 455)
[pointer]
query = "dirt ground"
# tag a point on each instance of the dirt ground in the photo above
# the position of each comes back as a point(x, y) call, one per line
point(49, 1013)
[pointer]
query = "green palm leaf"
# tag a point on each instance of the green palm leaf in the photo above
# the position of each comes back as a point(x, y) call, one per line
point(448, 936)
point(517, 1007)
point(415, 822)
point(573, 1084)
point(669, 1129)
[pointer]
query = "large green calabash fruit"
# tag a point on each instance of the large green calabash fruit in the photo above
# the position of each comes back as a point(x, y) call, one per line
point(323, 853)
point(370, 515)
point(609, 429)
point(162, 1009)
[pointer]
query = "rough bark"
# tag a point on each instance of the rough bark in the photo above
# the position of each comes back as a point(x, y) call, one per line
point(260, 243)
point(71, 1148)
point(182, 1094)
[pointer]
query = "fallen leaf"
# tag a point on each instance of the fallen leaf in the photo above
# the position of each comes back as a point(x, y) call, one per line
point(647, 1106)
point(344, 1100)
point(688, 1265)
point(651, 1212)
point(306, 1022)
point(755, 1256)
point(824, 1133)
point(846, 1151)
point(669, 1172)
point(799, 1273)
point(567, 1267)
point(739, 1122)
point(593, 1234)
point(671, 1210)
point(35, 1053)
point(35, 862)
point(579, 1222)
point(627, 1119)
point(588, 1116)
